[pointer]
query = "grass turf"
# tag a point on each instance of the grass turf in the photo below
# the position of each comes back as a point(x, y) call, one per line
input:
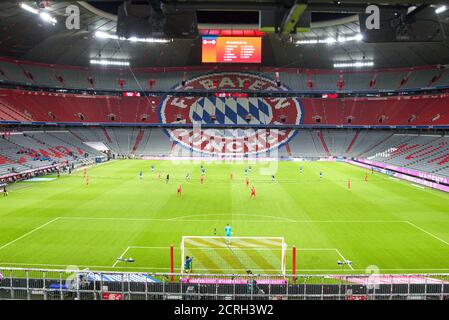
point(388, 223)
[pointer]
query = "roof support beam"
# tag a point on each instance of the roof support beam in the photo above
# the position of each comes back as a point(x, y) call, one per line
point(292, 18)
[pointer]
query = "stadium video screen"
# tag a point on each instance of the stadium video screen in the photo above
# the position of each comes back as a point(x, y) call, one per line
point(231, 49)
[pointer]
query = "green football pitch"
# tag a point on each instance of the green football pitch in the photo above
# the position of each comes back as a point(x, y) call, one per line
point(393, 225)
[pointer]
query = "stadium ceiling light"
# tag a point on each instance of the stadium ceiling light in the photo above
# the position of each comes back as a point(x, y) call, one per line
point(48, 18)
point(104, 62)
point(311, 41)
point(148, 40)
point(28, 8)
point(330, 40)
point(43, 15)
point(105, 35)
point(357, 37)
point(440, 9)
point(355, 64)
point(411, 9)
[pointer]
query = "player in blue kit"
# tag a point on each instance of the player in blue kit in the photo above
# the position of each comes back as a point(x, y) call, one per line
point(228, 233)
point(188, 264)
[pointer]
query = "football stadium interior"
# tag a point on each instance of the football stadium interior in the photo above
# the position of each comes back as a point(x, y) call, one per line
point(267, 149)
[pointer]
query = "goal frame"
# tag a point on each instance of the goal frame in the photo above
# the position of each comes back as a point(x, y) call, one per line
point(283, 247)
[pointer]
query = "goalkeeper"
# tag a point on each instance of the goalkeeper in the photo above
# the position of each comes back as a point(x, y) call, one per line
point(188, 264)
point(228, 233)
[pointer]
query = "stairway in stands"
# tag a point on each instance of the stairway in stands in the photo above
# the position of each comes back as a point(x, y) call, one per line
point(77, 135)
point(9, 113)
point(138, 140)
point(353, 142)
point(323, 143)
point(106, 134)
point(375, 146)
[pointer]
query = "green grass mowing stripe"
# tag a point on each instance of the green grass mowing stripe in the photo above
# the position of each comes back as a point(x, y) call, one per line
point(246, 257)
point(203, 258)
point(427, 232)
point(28, 233)
point(261, 242)
point(227, 255)
point(268, 260)
point(370, 217)
point(260, 258)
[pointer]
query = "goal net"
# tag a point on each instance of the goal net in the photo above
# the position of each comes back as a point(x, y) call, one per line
point(234, 255)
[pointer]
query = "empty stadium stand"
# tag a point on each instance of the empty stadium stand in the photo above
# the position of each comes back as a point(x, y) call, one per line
point(426, 153)
point(32, 149)
point(26, 106)
point(35, 149)
point(128, 125)
point(24, 72)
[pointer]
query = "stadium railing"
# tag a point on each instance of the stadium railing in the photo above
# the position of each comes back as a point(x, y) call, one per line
point(47, 284)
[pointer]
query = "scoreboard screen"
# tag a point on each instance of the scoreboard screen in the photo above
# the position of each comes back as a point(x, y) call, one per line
point(231, 49)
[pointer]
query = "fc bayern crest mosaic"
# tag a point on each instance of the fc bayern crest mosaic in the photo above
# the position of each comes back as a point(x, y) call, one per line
point(231, 111)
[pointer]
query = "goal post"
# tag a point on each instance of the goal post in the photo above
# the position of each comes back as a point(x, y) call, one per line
point(235, 255)
point(172, 262)
point(294, 263)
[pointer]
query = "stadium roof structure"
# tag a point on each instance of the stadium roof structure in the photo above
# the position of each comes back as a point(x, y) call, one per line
point(26, 37)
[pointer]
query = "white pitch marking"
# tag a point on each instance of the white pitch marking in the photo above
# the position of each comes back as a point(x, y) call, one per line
point(140, 247)
point(234, 238)
point(427, 232)
point(248, 215)
point(221, 220)
point(170, 219)
point(160, 268)
point(116, 261)
point(28, 233)
point(316, 249)
point(344, 259)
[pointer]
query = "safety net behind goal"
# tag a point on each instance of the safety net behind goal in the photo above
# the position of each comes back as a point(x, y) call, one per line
point(234, 255)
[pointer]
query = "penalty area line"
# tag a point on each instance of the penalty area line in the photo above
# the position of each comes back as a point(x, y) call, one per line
point(344, 259)
point(171, 220)
point(121, 257)
point(28, 233)
point(427, 232)
point(221, 220)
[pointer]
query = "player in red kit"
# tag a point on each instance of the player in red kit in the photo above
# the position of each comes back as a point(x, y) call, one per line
point(247, 182)
point(349, 184)
point(202, 179)
point(179, 191)
point(253, 193)
point(86, 177)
